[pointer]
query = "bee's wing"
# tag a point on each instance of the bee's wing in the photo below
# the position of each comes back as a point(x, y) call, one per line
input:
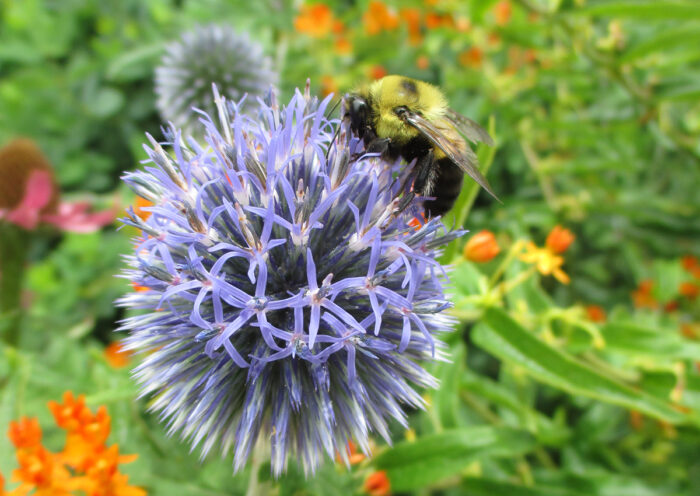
point(439, 135)
point(473, 131)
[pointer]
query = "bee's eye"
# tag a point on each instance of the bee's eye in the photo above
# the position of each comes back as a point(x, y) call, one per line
point(400, 111)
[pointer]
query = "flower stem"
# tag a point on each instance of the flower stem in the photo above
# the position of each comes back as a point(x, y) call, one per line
point(13, 256)
point(256, 459)
point(515, 249)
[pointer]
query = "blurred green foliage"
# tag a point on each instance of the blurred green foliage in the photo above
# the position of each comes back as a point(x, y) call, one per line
point(595, 109)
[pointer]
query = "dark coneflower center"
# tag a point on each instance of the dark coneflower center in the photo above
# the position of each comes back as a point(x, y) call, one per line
point(18, 160)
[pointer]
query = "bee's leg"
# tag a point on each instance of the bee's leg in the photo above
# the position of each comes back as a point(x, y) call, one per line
point(378, 145)
point(373, 144)
point(424, 168)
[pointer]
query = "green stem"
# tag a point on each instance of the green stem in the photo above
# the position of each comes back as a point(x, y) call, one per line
point(13, 257)
point(515, 249)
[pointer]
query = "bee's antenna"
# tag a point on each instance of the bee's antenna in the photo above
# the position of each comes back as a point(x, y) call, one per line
point(337, 131)
point(335, 106)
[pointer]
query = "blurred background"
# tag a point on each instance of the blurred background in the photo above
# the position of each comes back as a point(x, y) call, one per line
point(585, 383)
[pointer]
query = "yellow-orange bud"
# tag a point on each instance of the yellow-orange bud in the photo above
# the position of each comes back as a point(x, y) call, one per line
point(482, 247)
point(559, 239)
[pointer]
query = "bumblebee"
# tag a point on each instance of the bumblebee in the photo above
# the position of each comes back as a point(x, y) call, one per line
point(399, 116)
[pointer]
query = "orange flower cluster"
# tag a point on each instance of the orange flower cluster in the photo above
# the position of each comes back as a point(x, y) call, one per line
point(317, 21)
point(86, 464)
point(482, 247)
point(595, 313)
point(502, 12)
point(547, 259)
point(472, 57)
point(644, 297)
point(379, 18)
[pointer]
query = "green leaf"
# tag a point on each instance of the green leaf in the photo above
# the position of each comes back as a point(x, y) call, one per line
point(487, 487)
point(505, 338)
point(410, 465)
point(640, 341)
point(657, 10)
point(546, 430)
point(685, 36)
point(446, 398)
point(135, 63)
point(106, 103)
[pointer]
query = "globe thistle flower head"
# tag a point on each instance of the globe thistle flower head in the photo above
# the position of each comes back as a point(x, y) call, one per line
point(209, 54)
point(288, 297)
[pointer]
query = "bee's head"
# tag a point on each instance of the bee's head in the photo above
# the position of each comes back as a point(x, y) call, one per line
point(358, 111)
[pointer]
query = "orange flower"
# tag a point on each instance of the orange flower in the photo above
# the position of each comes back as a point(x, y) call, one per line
point(691, 265)
point(670, 306)
point(338, 27)
point(690, 331)
point(423, 62)
point(328, 85)
point(481, 247)
point(72, 413)
point(472, 57)
point(379, 18)
point(354, 457)
point(689, 290)
point(39, 470)
point(530, 56)
point(502, 12)
point(546, 261)
point(116, 356)
point(463, 24)
point(433, 20)
point(343, 46)
point(104, 479)
point(377, 72)
point(139, 206)
point(595, 313)
point(138, 288)
point(25, 434)
point(412, 18)
point(315, 20)
point(643, 297)
point(416, 223)
point(377, 484)
point(559, 239)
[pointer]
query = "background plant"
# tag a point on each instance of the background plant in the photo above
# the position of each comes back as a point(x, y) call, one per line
point(586, 388)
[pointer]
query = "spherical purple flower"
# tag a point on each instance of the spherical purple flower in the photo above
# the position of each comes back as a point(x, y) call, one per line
point(209, 54)
point(289, 294)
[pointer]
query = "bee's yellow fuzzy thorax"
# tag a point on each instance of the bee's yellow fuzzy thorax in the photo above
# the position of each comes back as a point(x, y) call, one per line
point(391, 92)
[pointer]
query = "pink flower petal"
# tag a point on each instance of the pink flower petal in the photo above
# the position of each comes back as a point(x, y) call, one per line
point(74, 217)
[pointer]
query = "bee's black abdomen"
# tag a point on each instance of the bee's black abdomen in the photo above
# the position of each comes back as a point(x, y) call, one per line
point(446, 188)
